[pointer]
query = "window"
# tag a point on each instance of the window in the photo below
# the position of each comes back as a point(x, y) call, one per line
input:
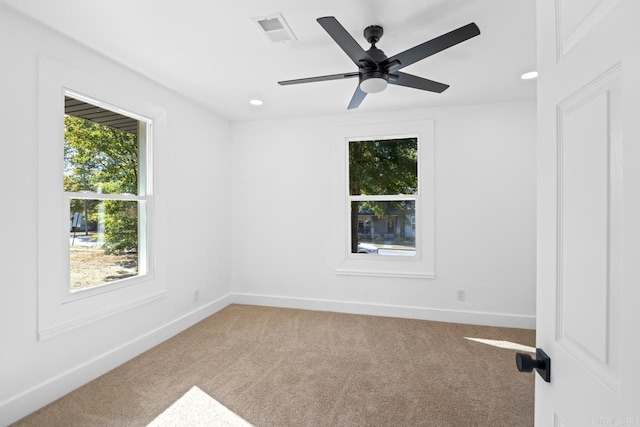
point(118, 228)
point(384, 206)
point(383, 187)
point(106, 190)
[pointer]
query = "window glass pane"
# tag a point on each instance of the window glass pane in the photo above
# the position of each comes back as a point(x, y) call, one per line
point(383, 227)
point(100, 150)
point(103, 241)
point(383, 167)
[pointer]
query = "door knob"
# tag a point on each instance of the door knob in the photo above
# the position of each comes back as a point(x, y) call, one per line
point(542, 364)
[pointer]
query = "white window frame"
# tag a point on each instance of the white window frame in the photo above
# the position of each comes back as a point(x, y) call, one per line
point(58, 310)
point(145, 210)
point(421, 266)
point(381, 198)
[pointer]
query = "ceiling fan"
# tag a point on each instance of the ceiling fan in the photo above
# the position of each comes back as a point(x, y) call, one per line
point(375, 69)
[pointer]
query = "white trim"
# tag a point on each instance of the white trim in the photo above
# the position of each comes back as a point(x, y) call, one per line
point(566, 42)
point(22, 404)
point(397, 274)
point(53, 296)
point(420, 266)
point(145, 205)
point(606, 366)
point(105, 196)
point(78, 322)
point(506, 320)
point(415, 197)
point(388, 198)
point(71, 296)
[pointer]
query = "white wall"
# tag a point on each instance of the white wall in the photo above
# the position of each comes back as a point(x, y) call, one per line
point(282, 214)
point(193, 235)
point(260, 230)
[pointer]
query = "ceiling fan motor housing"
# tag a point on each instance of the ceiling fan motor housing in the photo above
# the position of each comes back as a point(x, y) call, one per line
point(374, 71)
point(373, 33)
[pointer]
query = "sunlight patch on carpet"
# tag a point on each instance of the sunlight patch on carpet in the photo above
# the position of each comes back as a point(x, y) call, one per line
point(504, 344)
point(197, 408)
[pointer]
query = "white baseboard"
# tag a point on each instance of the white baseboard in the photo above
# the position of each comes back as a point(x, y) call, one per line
point(40, 395)
point(407, 312)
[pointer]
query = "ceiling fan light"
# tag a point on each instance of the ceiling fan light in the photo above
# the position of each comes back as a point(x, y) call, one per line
point(373, 85)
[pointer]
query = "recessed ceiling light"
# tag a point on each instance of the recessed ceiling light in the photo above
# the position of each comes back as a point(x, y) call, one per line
point(530, 75)
point(256, 102)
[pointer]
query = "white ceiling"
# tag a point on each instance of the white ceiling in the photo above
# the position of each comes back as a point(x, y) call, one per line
point(213, 53)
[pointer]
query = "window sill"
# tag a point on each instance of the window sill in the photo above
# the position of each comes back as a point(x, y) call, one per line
point(71, 296)
point(52, 331)
point(394, 274)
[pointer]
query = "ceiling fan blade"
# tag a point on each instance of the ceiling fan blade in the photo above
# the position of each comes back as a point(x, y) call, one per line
point(319, 78)
point(357, 98)
point(345, 41)
point(409, 80)
point(431, 47)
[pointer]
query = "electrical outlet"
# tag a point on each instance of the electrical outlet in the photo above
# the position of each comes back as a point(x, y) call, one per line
point(196, 295)
point(460, 296)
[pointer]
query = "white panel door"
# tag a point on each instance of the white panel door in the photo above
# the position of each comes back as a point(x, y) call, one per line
point(588, 300)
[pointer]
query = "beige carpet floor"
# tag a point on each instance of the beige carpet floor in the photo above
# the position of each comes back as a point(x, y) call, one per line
point(282, 367)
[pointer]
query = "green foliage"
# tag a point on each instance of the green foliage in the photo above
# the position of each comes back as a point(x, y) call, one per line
point(383, 167)
point(99, 158)
point(102, 159)
point(121, 226)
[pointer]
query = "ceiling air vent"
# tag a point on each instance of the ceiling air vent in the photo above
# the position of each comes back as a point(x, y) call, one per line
point(275, 29)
